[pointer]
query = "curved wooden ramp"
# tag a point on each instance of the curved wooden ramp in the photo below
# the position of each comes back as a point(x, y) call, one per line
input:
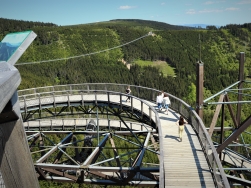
point(185, 164)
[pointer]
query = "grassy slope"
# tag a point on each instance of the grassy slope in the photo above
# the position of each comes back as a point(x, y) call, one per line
point(163, 67)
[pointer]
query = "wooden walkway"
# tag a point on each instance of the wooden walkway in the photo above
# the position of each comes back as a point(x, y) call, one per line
point(184, 162)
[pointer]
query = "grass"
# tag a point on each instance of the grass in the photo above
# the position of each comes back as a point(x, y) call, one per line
point(163, 66)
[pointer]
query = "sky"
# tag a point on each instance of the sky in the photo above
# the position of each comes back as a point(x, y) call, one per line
point(175, 12)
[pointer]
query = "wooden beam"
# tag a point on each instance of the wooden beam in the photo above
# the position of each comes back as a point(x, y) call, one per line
point(216, 114)
point(9, 78)
point(16, 164)
point(240, 86)
point(63, 174)
point(60, 153)
point(107, 177)
point(42, 175)
point(155, 145)
point(94, 155)
point(116, 154)
point(115, 151)
point(15, 160)
point(218, 129)
point(151, 176)
point(231, 112)
point(199, 88)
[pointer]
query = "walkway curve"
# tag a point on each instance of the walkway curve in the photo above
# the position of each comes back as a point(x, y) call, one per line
point(68, 91)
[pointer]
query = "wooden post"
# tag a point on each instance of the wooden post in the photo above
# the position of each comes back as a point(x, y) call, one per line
point(222, 126)
point(16, 164)
point(240, 86)
point(199, 88)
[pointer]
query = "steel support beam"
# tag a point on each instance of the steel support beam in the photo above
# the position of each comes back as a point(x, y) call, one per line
point(91, 132)
point(54, 149)
point(235, 134)
point(96, 168)
point(137, 162)
point(241, 181)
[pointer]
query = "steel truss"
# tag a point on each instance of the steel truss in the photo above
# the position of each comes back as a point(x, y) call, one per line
point(238, 158)
point(105, 155)
point(104, 109)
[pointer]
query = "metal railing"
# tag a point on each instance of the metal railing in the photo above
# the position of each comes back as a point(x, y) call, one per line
point(77, 124)
point(2, 185)
point(149, 94)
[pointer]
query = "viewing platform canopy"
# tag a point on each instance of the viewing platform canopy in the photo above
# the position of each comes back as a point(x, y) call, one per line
point(13, 45)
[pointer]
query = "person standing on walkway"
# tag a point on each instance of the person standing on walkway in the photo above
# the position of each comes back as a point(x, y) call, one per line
point(128, 92)
point(162, 93)
point(159, 101)
point(166, 102)
point(181, 123)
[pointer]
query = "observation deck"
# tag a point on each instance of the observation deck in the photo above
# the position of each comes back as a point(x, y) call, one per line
point(191, 162)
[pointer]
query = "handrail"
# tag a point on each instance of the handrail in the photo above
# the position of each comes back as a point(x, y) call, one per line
point(150, 94)
point(54, 124)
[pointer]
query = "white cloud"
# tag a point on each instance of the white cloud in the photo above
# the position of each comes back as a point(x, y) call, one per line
point(209, 10)
point(232, 9)
point(126, 7)
point(209, 3)
point(191, 11)
point(163, 3)
point(244, 2)
point(205, 11)
point(214, 2)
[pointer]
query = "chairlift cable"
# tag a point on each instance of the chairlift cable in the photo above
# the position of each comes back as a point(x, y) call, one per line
point(72, 57)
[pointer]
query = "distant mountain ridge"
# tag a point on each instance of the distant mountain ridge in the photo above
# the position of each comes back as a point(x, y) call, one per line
point(21, 24)
point(204, 26)
point(144, 23)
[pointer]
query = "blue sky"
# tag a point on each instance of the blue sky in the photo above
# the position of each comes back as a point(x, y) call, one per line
point(175, 12)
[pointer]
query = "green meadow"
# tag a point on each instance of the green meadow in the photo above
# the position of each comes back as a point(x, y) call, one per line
point(163, 66)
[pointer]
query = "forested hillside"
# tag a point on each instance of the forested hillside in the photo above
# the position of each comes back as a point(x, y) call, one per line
point(178, 46)
point(94, 53)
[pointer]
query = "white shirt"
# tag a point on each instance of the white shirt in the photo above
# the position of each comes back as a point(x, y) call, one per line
point(159, 99)
point(166, 100)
